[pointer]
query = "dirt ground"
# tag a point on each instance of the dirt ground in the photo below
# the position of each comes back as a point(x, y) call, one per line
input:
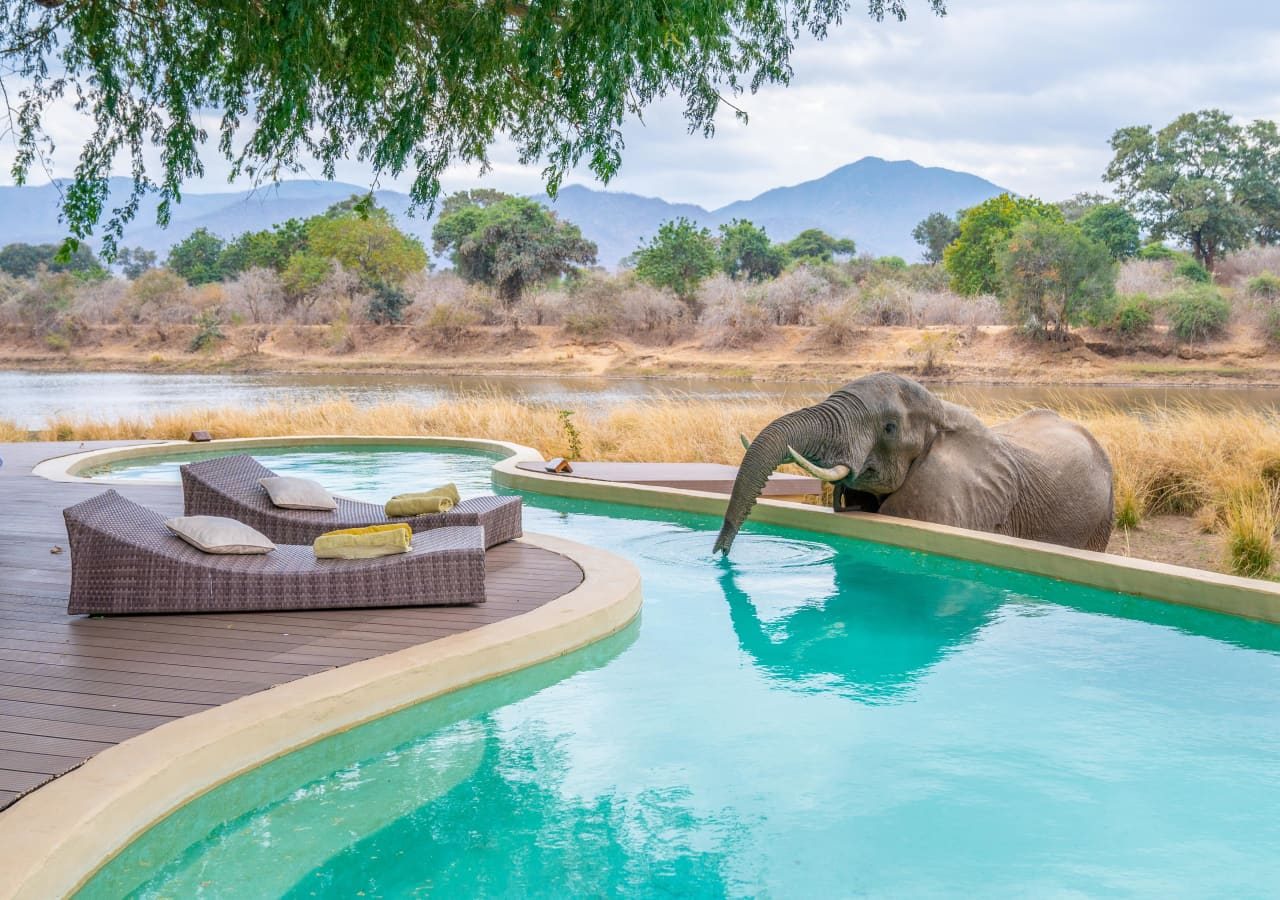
point(989, 354)
point(1170, 539)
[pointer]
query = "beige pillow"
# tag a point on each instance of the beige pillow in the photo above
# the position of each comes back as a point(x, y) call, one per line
point(298, 493)
point(215, 534)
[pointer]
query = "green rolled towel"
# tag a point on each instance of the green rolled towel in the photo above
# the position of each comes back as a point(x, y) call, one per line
point(419, 504)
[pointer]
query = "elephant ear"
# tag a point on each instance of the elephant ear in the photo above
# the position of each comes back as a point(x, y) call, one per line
point(966, 478)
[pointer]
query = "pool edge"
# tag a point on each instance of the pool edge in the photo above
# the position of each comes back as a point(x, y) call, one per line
point(1248, 598)
point(59, 835)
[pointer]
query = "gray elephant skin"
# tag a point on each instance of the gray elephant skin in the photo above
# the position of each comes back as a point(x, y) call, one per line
point(888, 445)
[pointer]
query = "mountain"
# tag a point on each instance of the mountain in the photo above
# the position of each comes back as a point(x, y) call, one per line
point(874, 201)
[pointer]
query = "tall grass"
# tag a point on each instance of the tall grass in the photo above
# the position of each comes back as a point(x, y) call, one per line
point(1177, 459)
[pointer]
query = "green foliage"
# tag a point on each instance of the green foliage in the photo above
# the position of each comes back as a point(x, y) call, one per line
point(25, 260)
point(408, 86)
point(1271, 326)
point(509, 243)
point(134, 261)
point(571, 434)
point(1113, 226)
point(1132, 316)
point(1080, 205)
point(1156, 250)
point(387, 305)
point(1197, 312)
point(208, 331)
point(816, 244)
point(1201, 179)
point(893, 263)
point(303, 276)
point(984, 233)
point(935, 233)
point(1264, 287)
point(745, 251)
point(1191, 270)
point(267, 249)
point(1051, 275)
point(368, 246)
point(197, 258)
point(678, 258)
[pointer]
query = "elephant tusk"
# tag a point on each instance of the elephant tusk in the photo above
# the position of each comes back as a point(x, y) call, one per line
point(746, 444)
point(835, 473)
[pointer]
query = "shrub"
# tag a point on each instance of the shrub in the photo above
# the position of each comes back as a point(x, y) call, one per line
point(737, 323)
point(839, 324)
point(1197, 312)
point(1143, 276)
point(885, 303)
point(1191, 270)
point(791, 298)
point(1156, 251)
point(1264, 287)
point(948, 308)
point(599, 306)
point(1271, 325)
point(1053, 277)
point(1133, 316)
point(446, 324)
point(931, 351)
point(1251, 525)
point(208, 331)
point(1128, 505)
point(386, 305)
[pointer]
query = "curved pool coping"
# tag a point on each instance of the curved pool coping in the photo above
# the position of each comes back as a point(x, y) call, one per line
point(59, 835)
point(1247, 597)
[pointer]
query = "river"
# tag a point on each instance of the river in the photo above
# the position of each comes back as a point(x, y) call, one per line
point(30, 398)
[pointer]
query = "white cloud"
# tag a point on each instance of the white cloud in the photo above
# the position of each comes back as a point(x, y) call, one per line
point(1023, 93)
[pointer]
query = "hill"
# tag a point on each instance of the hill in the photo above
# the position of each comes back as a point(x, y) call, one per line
point(874, 201)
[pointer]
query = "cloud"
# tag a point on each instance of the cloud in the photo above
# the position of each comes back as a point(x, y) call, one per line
point(1024, 94)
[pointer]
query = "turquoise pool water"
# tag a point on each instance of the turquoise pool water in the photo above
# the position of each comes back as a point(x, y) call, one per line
point(818, 717)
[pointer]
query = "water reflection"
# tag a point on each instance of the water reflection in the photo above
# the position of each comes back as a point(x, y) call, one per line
point(866, 632)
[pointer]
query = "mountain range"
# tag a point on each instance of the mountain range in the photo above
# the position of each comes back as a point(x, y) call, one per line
point(874, 201)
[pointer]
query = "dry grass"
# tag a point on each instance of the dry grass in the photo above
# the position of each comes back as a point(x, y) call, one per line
point(1182, 459)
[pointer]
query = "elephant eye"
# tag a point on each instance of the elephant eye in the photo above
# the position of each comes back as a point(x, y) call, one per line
point(890, 427)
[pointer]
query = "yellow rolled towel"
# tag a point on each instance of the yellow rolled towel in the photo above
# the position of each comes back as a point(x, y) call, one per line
point(364, 543)
point(449, 490)
point(420, 504)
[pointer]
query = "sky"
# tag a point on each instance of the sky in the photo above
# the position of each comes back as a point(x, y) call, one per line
point(1024, 93)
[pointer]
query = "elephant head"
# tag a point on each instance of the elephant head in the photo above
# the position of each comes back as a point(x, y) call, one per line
point(865, 436)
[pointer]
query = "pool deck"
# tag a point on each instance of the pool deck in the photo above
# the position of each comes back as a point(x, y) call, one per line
point(72, 686)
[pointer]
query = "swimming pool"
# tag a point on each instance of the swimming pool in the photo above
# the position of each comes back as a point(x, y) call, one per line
point(816, 717)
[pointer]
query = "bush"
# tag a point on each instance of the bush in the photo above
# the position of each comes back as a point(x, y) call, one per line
point(839, 324)
point(1052, 277)
point(1133, 316)
point(1143, 276)
point(1156, 251)
point(737, 323)
point(885, 303)
point(1271, 326)
point(208, 331)
point(1197, 312)
point(446, 324)
point(1251, 525)
point(599, 306)
point(1264, 287)
point(387, 305)
point(1191, 270)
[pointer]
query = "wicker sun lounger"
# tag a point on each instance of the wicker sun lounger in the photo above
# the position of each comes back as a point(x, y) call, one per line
point(228, 486)
point(124, 560)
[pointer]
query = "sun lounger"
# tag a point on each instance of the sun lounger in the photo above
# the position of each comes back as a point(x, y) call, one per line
point(228, 486)
point(124, 560)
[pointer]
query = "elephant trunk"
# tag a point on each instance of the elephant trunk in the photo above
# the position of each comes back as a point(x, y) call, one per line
point(806, 430)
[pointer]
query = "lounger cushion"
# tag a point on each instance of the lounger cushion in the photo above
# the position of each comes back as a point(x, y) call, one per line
point(216, 534)
point(364, 543)
point(288, 492)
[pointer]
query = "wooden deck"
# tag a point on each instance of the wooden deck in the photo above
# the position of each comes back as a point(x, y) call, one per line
point(71, 686)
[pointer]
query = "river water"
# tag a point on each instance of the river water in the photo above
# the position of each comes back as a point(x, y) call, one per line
point(30, 398)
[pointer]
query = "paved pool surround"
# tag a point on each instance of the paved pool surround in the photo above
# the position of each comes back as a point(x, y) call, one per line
point(58, 836)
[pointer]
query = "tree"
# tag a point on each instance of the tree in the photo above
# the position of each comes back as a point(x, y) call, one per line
point(746, 251)
point(197, 257)
point(935, 233)
point(303, 276)
point(1080, 204)
point(1050, 275)
point(510, 244)
point(267, 249)
point(1202, 180)
point(134, 261)
point(814, 243)
point(1113, 226)
point(24, 261)
point(984, 232)
point(403, 84)
point(678, 257)
point(369, 246)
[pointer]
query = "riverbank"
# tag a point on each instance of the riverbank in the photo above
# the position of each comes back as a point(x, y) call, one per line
point(1194, 486)
point(989, 354)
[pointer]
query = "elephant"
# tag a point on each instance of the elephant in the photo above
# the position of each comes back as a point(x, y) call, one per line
point(888, 445)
